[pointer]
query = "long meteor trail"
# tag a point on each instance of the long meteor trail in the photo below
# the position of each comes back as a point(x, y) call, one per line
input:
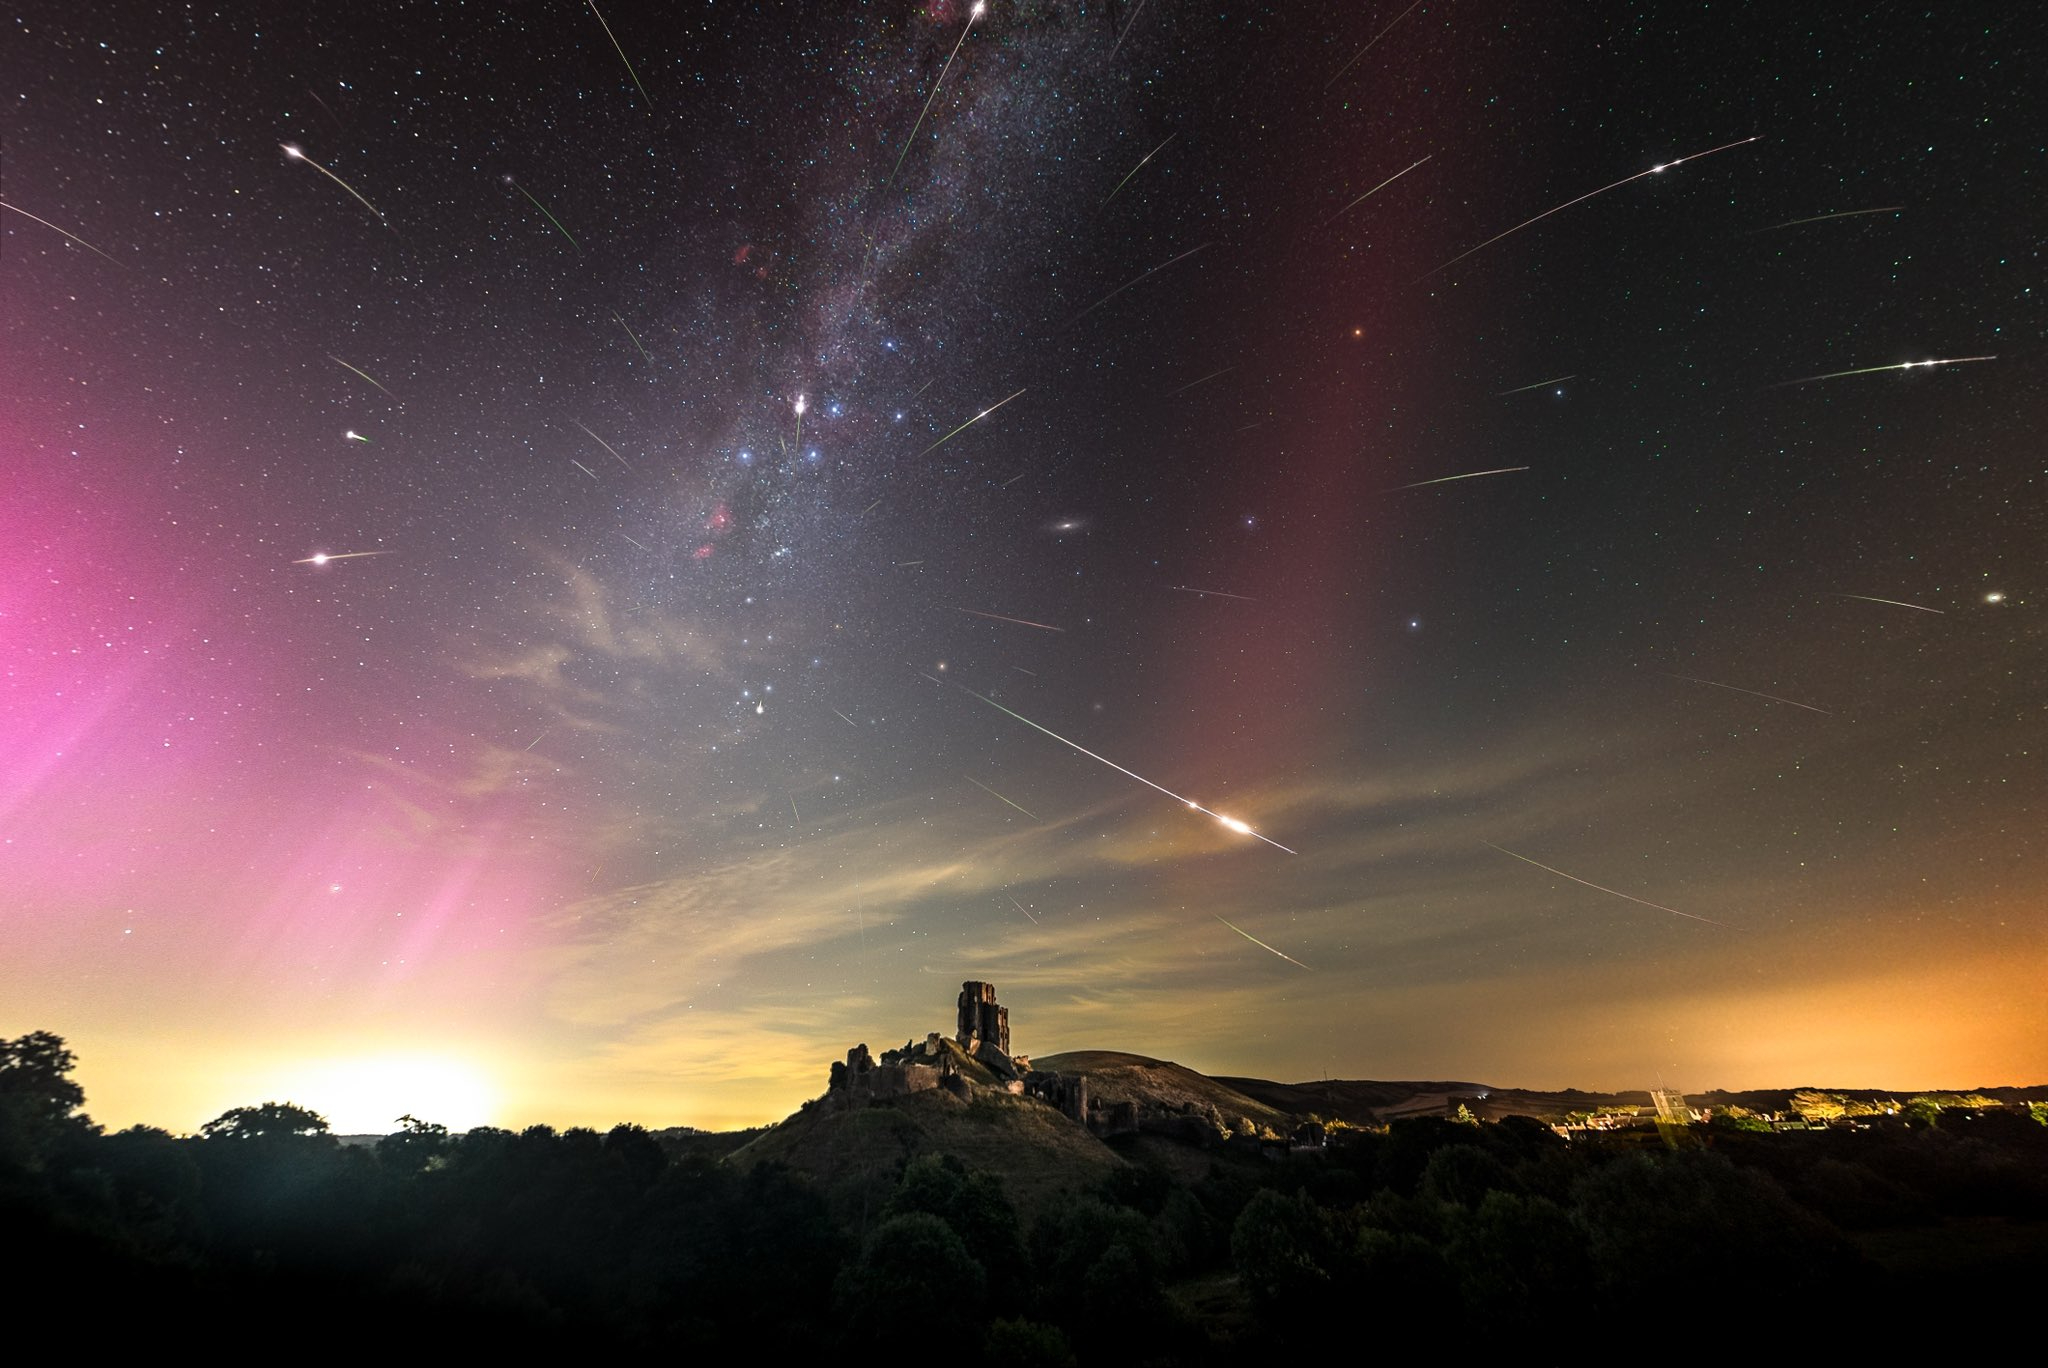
point(603, 443)
point(910, 141)
point(1368, 48)
point(622, 54)
point(1873, 370)
point(1262, 945)
point(1374, 191)
point(296, 155)
point(55, 229)
point(1233, 823)
point(1823, 218)
point(1207, 593)
point(1524, 389)
point(1134, 281)
point(1469, 475)
point(1601, 887)
point(968, 424)
point(1139, 167)
point(1021, 622)
point(1736, 688)
point(1659, 167)
point(999, 797)
point(365, 374)
point(1896, 603)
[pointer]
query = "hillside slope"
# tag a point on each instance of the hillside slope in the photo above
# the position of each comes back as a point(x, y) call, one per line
point(1161, 1086)
point(856, 1154)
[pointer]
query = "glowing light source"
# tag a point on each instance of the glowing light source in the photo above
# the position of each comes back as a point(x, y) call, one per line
point(367, 1095)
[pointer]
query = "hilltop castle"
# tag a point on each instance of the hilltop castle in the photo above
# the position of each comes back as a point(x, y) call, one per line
point(976, 1059)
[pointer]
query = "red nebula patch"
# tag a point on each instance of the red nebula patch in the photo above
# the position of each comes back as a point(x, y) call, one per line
point(739, 258)
point(701, 553)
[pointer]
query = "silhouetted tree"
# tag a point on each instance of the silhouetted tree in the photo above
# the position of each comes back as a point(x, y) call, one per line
point(40, 1103)
point(266, 1121)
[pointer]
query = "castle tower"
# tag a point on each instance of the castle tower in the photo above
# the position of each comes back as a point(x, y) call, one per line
point(982, 1020)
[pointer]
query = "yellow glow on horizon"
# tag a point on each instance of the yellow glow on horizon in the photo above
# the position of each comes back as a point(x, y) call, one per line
point(366, 1095)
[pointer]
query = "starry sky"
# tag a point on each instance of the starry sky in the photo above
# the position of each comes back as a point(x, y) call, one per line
point(531, 535)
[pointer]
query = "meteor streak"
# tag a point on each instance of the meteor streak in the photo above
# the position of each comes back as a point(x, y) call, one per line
point(582, 467)
point(1368, 48)
point(1374, 191)
point(603, 443)
point(1127, 30)
point(1140, 166)
point(538, 739)
point(622, 55)
point(636, 341)
point(365, 374)
point(322, 557)
point(629, 537)
point(1021, 622)
point(1470, 475)
point(1175, 394)
point(1242, 598)
point(1233, 823)
point(1601, 887)
point(1735, 688)
point(551, 218)
point(998, 797)
point(55, 229)
point(1524, 389)
point(353, 436)
point(1822, 218)
point(1893, 602)
point(1021, 908)
point(1262, 945)
point(1660, 166)
point(1128, 283)
point(972, 15)
point(296, 155)
point(968, 424)
point(842, 717)
point(1873, 370)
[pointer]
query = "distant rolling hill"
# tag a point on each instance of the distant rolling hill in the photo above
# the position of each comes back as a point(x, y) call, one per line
point(1161, 1085)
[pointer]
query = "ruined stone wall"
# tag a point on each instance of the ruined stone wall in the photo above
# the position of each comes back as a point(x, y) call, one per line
point(981, 1020)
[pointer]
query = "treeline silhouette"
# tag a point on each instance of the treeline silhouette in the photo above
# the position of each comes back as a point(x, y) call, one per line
point(543, 1242)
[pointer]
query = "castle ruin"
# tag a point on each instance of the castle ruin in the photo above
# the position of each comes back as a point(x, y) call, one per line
point(982, 1020)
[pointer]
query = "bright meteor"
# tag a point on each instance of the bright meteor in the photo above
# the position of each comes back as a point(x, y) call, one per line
point(1659, 167)
point(55, 229)
point(1232, 823)
point(364, 374)
point(1896, 603)
point(972, 16)
point(1374, 191)
point(958, 430)
point(1469, 475)
point(296, 155)
point(322, 557)
point(1873, 370)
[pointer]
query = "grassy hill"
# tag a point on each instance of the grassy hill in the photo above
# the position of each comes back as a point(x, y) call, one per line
point(856, 1154)
point(1162, 1086)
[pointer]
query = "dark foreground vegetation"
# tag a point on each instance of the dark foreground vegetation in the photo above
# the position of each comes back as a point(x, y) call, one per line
point(543, 1242)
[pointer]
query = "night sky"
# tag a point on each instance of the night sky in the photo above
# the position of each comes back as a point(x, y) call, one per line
point(630, 721)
